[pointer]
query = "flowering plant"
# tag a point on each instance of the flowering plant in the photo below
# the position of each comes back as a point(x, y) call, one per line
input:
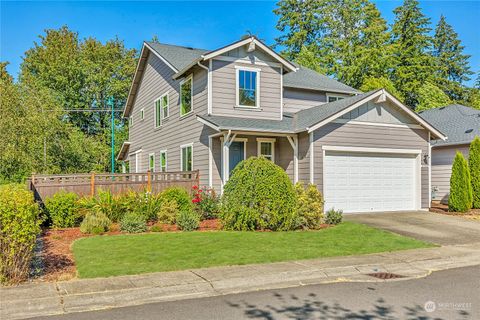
point(206, 202)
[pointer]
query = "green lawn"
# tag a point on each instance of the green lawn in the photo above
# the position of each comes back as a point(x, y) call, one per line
point(104, 256)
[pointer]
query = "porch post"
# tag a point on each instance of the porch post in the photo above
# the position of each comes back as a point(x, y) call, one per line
point(294, 143)
point(210, 162)
point(227, 141)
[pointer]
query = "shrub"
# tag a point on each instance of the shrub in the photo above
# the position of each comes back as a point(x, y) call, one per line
point(112, 206)
point(133, 222)
point(156, 228)
point(309, 206)
point(333, 216)
point(206, 202)
point(460, 199)
point(179, 195)
point(148, 205)
point(474, 164)
point(63, 209)
point(188, 220)
point(168, 212)
point(19, 226)
point(95, 222)
point(258, 195)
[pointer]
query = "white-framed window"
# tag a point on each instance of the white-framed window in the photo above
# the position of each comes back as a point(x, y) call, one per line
point(142, 114)
point(163, 161)
point(161, 106)
point(248, 87)
point(130, 121)
point(266, 148)
point(151, 162)
point(186, 96)
point(186, 157)
point(334, 98)
point(138, 159)
point(165, 103)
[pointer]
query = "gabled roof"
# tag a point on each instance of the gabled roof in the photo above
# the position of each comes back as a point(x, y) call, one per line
point(458, 122)
point(179, 57)
point(312, 118)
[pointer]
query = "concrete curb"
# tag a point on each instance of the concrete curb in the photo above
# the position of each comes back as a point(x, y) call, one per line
point(42, 299)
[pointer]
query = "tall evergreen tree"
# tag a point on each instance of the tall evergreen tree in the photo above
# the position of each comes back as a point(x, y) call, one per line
point(451, 64)
point(430, 96)
point(474, 165)
point(413, 62)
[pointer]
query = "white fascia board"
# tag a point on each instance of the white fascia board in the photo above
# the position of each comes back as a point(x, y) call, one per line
point(160, 57)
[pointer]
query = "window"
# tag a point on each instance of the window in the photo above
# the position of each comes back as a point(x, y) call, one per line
point(163, 161)
point(334, 98)
point(151, 162)
point(247, 93)
point(186, 96)
point(186, 157)
point(161, 109)
point(142, 114)
point(165, 105)
point(266, 148)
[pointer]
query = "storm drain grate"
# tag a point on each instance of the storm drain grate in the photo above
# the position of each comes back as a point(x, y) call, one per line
point(385, 275)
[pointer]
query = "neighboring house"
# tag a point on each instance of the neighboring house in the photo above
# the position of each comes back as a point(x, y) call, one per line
point(208, 110)
point(460, 124)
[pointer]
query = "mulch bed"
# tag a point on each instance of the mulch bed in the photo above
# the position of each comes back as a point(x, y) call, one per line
point(57, 256)
point(443, 209)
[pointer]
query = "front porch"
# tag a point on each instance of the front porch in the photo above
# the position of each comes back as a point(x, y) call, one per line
point(228, 148)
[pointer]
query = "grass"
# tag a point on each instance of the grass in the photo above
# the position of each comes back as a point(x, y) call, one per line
point(104, 256)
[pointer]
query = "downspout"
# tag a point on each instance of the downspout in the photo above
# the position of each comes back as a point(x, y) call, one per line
point(209, 86)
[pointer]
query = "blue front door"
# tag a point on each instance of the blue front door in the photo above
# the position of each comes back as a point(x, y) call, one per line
point(236, 154)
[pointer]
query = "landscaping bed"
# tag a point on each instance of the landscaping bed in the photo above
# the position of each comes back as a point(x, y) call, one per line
point(103, 256)
point(472, 214)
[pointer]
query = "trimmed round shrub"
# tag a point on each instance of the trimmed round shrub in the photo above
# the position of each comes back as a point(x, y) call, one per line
point(188, 220)
point(168, 212)
point(258, 195)
point(133, 223)
point(309, 207)
point(179, 195)
point(95, 222)
point(474, 164)
point(333, 216)
point(460, 199)
point(63, 209)
point(19, 226)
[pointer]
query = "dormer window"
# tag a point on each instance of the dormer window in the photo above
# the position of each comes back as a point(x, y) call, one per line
point(248, 94)
point(334, 98)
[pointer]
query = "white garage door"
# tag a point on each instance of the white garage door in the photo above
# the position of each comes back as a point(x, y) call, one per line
point(366, 182)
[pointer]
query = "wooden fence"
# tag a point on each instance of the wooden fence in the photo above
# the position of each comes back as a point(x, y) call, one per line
point(88, 184)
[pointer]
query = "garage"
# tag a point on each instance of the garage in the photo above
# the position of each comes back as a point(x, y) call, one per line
point(371, 181)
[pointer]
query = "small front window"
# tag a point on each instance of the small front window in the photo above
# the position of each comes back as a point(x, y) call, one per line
point(266, 148)
point(163, 161)
point(187, 158)
point(151, 162)
point(247, 88)
point(186, 97)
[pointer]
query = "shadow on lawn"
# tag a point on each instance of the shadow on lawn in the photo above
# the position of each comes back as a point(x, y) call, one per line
point(292, 307)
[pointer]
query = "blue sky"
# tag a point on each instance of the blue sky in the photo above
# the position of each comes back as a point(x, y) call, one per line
point(198, 24)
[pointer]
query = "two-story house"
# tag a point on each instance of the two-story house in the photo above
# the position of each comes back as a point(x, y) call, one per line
point(192, 109)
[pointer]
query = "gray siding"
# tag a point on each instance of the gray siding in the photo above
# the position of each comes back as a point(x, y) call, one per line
point(385, 112)
point(299, 99)
point(175, 131)
point(354, 135)
point(224, 91)
point(442, 159)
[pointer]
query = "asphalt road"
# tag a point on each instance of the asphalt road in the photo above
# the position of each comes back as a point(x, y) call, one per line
point(454, 294)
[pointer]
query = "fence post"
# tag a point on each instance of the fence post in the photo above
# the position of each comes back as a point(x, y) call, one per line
point(149, 181)
point(92, 184)
point(198, 177)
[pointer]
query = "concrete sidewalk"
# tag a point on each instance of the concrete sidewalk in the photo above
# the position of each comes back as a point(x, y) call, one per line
point(43, 299)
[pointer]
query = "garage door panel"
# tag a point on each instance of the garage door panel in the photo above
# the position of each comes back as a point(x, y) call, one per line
point(365, 182)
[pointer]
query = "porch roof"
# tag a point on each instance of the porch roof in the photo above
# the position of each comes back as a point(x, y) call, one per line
point(243, 124)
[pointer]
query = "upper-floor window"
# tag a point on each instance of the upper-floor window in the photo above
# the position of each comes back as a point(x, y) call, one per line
point(186, 156)
point(186, 93)
point(248, 87)
point(161, 109)
point(334, 98)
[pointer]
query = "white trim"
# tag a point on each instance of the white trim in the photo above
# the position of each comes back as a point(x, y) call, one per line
point(293, 140)
point(188, 78)
point(418, 166)
point(378, 124)
point(138, 159)
point(240, 43)
point(150, 155)
point(371, 150)
point(341, 113)
point(210, 161)
point(281, 93)
point(168, 105)
point(166, 160)
point(429, 171)
point(181, 154)
point(312, 159)
point(209, 89)
point(209, 124)
point(142, 114)
point(266, 140)
point(160, 57)
point(351, 93)
point(237, 87)
point(155, 113)
point(255, 61)
point(258, 132)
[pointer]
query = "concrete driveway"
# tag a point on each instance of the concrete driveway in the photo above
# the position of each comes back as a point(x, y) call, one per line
point(431, 227)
